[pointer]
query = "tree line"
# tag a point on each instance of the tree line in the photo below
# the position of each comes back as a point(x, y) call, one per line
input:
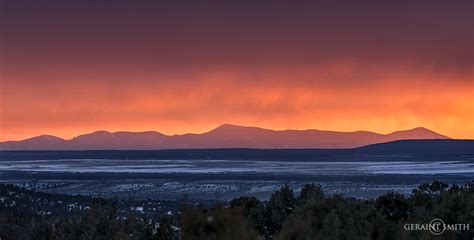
point(308, 214)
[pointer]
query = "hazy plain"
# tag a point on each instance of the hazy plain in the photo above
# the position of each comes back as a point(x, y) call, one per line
point(205, 179)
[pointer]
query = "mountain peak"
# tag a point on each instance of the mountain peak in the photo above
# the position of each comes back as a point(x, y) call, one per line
point(228, 126)
point(94, 137)
point(102, 132)
point(421, 129)
point(236, 129)
point(415, 133)
point(46, 136)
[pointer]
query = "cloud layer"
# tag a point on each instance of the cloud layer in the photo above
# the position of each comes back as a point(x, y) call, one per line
point(70, 67)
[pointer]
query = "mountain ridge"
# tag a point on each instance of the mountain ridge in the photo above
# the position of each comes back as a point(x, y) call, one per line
point(223, 136)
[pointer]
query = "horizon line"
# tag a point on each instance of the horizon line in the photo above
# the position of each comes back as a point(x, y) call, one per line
point(228, 125)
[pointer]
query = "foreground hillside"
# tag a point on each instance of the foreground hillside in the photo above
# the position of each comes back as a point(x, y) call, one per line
point(306, 214)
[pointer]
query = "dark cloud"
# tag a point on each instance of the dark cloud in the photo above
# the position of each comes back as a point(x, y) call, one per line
point(170, 35)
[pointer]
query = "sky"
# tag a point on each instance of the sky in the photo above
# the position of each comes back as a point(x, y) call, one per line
point(69, 67)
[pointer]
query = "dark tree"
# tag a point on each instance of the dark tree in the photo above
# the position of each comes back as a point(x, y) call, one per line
point(278, 208)
point(393, 206)
point(215, 224)
point(253, 211)
point(310, 192)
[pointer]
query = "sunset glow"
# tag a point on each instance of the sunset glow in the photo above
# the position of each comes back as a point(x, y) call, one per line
point(177, 68)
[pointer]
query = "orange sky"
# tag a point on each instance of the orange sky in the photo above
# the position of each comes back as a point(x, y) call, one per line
point(71, 69)
point(397, 101)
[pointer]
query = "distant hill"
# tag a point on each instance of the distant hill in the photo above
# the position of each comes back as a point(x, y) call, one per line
point(427, 150)
point(431, 146)
point(225, 136)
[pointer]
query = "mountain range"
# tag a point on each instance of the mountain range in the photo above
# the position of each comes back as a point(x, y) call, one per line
point(224, 136)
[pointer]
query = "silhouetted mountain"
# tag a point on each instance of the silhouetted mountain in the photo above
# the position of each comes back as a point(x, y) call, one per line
point(416, 133)
point(117, 140)
point(35, 143)
point(225, 136)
